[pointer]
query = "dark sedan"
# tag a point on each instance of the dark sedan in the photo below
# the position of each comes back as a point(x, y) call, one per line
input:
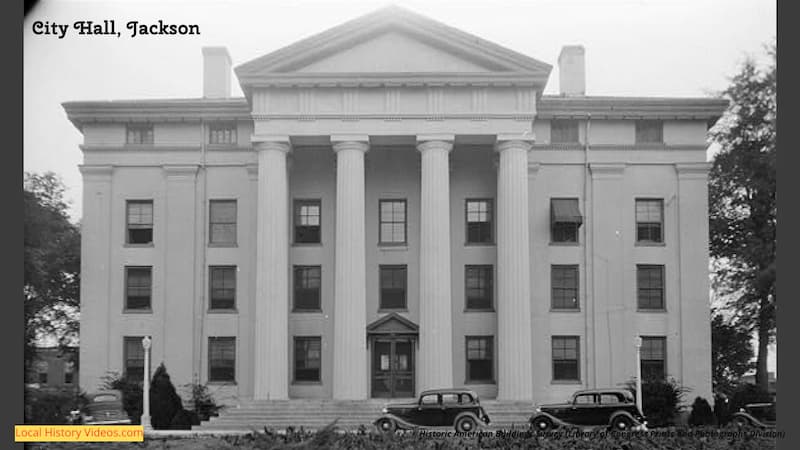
point(615, 408)
point(459, 408)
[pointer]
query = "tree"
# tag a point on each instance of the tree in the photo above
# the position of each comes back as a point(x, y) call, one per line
point(731, 353)
point(743, 203)
point(51, 263)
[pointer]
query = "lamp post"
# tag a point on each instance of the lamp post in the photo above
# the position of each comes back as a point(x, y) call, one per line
point(638, 343)
point(146, 342)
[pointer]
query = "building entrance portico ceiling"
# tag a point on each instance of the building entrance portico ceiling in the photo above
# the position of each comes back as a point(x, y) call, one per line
point(393, 73)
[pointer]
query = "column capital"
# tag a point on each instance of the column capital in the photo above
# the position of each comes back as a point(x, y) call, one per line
point(435, 142)
point(509, 141)
point(263, 142)
point(358, 142)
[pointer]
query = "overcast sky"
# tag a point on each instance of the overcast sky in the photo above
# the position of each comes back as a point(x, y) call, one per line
point(633, 47)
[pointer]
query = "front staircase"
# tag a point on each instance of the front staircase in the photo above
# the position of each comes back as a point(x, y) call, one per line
point(255, 415)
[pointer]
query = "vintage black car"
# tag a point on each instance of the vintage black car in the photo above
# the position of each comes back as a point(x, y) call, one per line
point(761, 415)
point(615, 408)
point(105, 408)
point(460, 408)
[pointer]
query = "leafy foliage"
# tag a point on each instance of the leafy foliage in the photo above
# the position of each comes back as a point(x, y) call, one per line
point(702, 414)
point(165, 402)
point(131, 394)
point(661, 400)
point(743, 202)
point(51, 407)
point(204, 404)
point(731, 353)
point(51, 263)
point(748, 393)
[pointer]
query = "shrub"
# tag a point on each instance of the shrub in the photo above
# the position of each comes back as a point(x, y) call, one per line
point(51, 407)
point(181, 421)
point(165, 402)
point(661, 400)
point(204, 404)
point(701, 415)
point(131, 394)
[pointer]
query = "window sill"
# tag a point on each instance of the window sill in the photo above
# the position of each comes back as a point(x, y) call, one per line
point(137, 311)
point(564, 244)
point(473, 382)
point(129, 245)
point(307, 311)
point(651, 310)
point(307, 383)
point(565, 382)
point(222, 245)
point(223, 311)
point(480, 244)
point(307, 244)
point(479, 310)
point(649, 244)
point(222, 383)
point(565, 310)
point(393, 247)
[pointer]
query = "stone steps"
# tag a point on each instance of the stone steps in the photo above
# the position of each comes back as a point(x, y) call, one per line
point(316, 414)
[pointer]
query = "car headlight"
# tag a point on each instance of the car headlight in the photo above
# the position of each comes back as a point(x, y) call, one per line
point(538, 410)
point(385, 410)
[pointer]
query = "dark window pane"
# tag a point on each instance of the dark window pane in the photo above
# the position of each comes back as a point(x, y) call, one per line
point(479, 287)
point(565, 353)
point(650, 286)
point(139, 219)
point(392, 221)
point(565, 232)
point(307, 221)
point(479, 221)
point(221, 359)
point(649, 220)
point(307, 283)
point(223, 288)
point(564, 287)
point(393, 287)
point(138, 287)
point(480, 361)
point(307, 358)
point(653, 356)
point(133, 358)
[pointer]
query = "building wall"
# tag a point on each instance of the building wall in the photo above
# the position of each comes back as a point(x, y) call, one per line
point(606, 182)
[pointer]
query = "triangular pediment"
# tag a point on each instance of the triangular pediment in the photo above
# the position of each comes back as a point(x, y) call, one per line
point(391, 42)
point(392, 323)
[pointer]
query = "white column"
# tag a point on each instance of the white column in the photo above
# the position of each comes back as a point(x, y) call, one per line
point(435, 363)
point(271, 346)
point(515, 369)
point(350, 297)
point(145, 420)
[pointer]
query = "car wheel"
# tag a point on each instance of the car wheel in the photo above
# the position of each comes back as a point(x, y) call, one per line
point(541, 424)
point(741, 422)
point(621, 423)
point(466, 424)
point(386, 425)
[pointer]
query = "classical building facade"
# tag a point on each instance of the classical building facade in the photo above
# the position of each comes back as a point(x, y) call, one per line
point(395, 206)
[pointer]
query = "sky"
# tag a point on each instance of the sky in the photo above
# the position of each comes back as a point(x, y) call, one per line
point(675, 48)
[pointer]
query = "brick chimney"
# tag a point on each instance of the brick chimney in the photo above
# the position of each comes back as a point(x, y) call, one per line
point(216, 72)
point(572, 71)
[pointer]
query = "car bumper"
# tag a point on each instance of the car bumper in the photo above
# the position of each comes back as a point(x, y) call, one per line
point(109, 422)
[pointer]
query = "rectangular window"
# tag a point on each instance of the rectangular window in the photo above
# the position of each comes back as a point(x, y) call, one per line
point(307, 282)
point(222, 133)
point(133, 358)
point(479, 287)
point(222, 222)
point(650, 286)
point(139, 221)
point(480, 360)
point(222, 359)
point(138, 288)
point(563, 131)
point(565, 219)
point(653, 356)
point(307, 220)
point(392, 222)
point(649, 132)
point(479, 221)
point(649, 220)
point(565, 358)
point(139, 134)
point(393, 287)
point(223, 287)
point(307, 358)
point(564, 287)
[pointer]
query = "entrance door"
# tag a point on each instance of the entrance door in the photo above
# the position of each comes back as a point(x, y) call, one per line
point(393, 368)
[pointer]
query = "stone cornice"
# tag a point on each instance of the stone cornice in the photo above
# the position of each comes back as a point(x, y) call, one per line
point(392, 117)
point(96, 171)
point(378, 79)
point(607, 170)
point(693, 170)
point(618, 147)
point(601, 107)
point(180, 170)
